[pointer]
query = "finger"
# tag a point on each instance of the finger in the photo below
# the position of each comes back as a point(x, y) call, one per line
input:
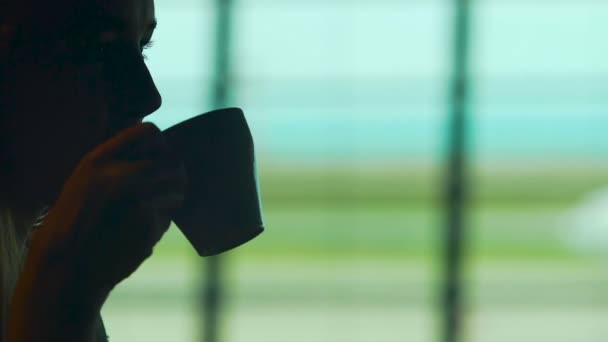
point(165, 174)
point(158, 225)
point(163, 202)
point(157, 192)
point(151, 148)
point(145, 227)
point(154, 180)
point(125, 141)
point(122, 175)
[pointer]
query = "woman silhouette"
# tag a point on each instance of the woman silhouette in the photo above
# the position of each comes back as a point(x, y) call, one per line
point(85, 186)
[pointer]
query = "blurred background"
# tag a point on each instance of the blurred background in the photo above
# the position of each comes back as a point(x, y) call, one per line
point(350, 105)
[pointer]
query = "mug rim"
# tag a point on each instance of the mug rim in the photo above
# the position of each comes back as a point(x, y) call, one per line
point(215, 112)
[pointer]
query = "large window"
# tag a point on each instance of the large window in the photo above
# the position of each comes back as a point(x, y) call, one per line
point(348, 103)
point(539, 220)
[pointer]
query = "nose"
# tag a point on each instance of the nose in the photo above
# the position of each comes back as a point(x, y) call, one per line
point(131, 91)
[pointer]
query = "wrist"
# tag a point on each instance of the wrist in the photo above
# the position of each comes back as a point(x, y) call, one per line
point(63, 274)
point(52, 304)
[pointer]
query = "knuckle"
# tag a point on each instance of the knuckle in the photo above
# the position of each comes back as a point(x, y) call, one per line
point(108, 174)
point(151, 127)
point(88, 159)
point(109, 178)
point(153, 132)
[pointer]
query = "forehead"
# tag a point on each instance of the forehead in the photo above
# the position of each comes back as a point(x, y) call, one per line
point(133, 13)
point(46, 16)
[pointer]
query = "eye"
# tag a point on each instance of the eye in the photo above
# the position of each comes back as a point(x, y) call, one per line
point(146, 46)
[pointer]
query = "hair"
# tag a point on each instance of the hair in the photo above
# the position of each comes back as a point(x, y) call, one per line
point(15, 223)
point(13, 228)
point(12, 251)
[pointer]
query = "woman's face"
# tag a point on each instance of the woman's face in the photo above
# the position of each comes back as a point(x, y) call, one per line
point(77, 77)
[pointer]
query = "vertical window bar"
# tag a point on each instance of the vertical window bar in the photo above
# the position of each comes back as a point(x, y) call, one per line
point(456, 178)
point(212, 290)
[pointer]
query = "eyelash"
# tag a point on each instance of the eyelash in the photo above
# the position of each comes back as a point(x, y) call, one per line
point(146, 47)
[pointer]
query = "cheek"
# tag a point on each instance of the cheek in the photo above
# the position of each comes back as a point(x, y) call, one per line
point(62, 115)
point(84, 112)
